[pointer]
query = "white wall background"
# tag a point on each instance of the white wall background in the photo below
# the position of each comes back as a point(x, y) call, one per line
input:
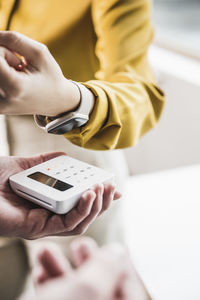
point(176, 140)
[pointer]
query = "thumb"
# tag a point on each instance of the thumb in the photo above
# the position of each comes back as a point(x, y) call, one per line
point(38, 159)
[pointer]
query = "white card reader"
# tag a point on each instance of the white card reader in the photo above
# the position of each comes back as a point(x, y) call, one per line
point(58, 184)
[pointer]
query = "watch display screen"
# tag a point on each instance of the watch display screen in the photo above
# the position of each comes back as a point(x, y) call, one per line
point(50, 181)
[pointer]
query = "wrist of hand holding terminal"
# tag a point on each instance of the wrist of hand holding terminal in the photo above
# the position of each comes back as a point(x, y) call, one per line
point(70, 120)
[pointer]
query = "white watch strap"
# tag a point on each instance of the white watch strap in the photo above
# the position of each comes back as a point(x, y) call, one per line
point(84, 108)
point(86, 101)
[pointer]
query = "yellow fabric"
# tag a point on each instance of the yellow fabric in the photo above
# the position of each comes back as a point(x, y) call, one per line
point(103, 44)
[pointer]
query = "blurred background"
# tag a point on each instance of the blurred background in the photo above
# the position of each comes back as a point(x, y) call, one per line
point(162, 211)
point(175, 57)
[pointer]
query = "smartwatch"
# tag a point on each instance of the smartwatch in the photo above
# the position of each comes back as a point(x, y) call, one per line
point(72, 119)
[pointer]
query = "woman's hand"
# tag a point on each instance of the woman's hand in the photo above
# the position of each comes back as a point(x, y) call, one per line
point(40, 88)
point(22, 218)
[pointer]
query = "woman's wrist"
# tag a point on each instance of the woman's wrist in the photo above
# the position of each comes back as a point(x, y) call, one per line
point(69, 98)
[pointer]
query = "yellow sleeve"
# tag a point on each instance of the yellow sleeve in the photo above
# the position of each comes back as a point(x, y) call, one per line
point(128, 103)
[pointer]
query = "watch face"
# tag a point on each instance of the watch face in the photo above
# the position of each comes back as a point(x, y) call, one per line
point(65, 126)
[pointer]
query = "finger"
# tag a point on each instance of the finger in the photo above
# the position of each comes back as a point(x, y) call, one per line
point(23, 63)
point(108, 196)
point(9, 76)
point(96, 208)
point(117, 195)
point(82, 249)
point(50, 264)
point(32, 50)
point(58, 225)
point(47, 156)
point(53, 263)
point(73, 218)
point(10, 57)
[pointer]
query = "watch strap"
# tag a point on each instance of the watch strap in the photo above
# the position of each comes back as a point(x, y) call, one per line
point(86, 101)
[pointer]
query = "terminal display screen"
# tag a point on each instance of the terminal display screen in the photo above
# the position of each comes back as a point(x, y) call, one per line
point(50, 181)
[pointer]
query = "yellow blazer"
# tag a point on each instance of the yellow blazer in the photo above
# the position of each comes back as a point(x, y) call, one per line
point(103, 44)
